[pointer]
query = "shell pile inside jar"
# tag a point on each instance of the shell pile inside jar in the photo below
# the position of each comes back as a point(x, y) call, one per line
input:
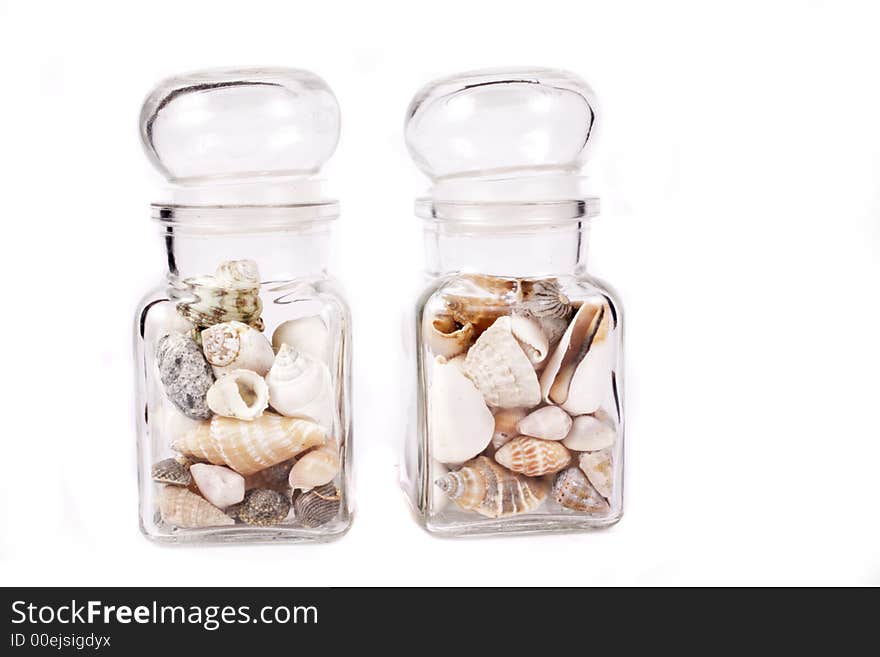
point(250, 421)
point(522, 402)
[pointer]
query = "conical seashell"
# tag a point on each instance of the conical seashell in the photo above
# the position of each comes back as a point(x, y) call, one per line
point(533, 457)
point(171, 471)
point(483, 486)
point(300, 386)
point(236, 346)
point(231, 294)
point(308, 335)
point(543, 298)
point(590, 433)
point(247, 447)
point(501, 370)
point(549, 423)
point(315, 468)
point(506, 420)
point(572, 490)
point(444, 336)
point(598, 467)
point(221, 486)
point(318, 506)
point(185, 374)
point(241, 394)
point(579, 371)
point(182, 508)
point(531, 338)
point(261, 507)
point(460, 424)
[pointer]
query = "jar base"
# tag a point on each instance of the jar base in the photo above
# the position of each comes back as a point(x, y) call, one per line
point(245, 535)
point(535, 524)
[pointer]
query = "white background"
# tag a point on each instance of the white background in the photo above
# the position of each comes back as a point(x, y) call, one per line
point(739, 166)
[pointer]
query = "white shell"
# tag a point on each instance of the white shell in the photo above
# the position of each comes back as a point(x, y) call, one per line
point(308, 335)
point(439, 499)
point(300, 386)
point(240, 394)
point(531, 337)
point(549, 423)
point(578, 375)
point(221, 486)
point(442, 336)
point(315, 468)
point(236, 346)
point(500, 368)
point(460, 423)
point(170, 423)
point(589, 433)
point(599, 470)
point(506, 420)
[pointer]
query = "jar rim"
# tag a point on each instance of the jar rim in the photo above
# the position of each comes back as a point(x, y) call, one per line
point(507, 213)
point(229, 218)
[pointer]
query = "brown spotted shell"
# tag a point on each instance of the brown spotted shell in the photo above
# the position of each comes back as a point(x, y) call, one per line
point(261, 507)
point(572, 489)
point(533, 457)
point(491, 490)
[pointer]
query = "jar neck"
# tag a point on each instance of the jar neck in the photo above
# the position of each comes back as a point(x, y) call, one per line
point(280, 255)
point(513, 251)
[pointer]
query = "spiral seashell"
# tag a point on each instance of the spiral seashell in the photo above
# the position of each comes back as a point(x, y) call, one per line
point(549, 423)
point(171, 471)
point(506, 421)
point(460, 424)
point(231, 294)
point(315, 468)
point(233, 346)
point(248, 447)
point(598, 467)
point(572, 489)
point(185, 374)
point(300, 386)
point(182, 508)
point(483, 486)
point(531, 337)
point(444, 336)
point(308, 335)
point(501, 370)
point(261, 507)
point(219, 485)
point(543, 298)
point(318, 506)
point(533, 457)
point(240, 394)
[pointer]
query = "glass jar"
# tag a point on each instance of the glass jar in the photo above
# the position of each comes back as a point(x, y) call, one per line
point(243, 352)
point(519, 359)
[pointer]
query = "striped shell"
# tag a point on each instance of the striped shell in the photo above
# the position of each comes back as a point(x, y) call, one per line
point(183, 508)
point(250, 446)
point(232, 293)
point(317, 506)
point(543, 298)
point(171, 471)
point(572, 489)
point(483, 486)
point(533, 457)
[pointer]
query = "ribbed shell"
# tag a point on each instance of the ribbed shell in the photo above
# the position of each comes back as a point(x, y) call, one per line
point(171, 471)
point(572, 490)
point(232, 293)
point(250, 446)
point(318, 506)
point(533, 457)
point(183, 508)
point(543, 298)
point(483, 486)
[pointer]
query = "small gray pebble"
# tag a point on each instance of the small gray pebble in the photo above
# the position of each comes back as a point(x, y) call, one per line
point(185, 374)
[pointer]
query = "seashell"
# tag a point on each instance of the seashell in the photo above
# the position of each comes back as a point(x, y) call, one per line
point(531, 338)
point(318, 506)
point(554, 328)
point(235, 346)
point(185, 374)
point(170, 423)
point(572, 489)
point(437, 498)
point(241, 394)
point(590, 433)
point(315, 468)
point(221, 486)
point(261, 507)
point(274, 477)
point(579, 371)
point(479, 300)
point(549, 423)
point(483, 486)
point(460, 423)
point(300, 386)
point(247, 447)
point(506, 420)
point(307, 335)
point(599, 470)
point(182, 508)
point(500, 368)
point(231, 294)
point(444, 336)
point(171, 471)
point(543, 298)
point(533, 457)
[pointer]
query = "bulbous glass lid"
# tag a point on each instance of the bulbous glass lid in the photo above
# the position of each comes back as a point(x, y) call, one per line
point(501, 123)
point(247, 125)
